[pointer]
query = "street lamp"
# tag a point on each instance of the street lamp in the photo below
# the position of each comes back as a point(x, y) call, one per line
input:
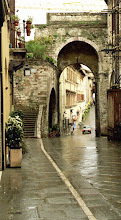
point(27, 71)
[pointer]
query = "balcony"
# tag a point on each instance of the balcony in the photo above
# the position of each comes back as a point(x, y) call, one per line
point(17, 56)
point(17, 50)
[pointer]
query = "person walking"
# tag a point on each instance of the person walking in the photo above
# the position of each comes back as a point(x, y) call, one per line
point(72, 128)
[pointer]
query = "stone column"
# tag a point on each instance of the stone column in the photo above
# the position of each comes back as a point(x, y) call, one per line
point(103, 86)
point(97, 107)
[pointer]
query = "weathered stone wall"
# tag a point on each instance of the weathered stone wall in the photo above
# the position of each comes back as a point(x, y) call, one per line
point(89, 31)
point(68, 28)
point(34, 91)
point(77, 18)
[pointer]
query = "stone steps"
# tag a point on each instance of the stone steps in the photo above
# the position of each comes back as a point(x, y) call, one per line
point(30, 118)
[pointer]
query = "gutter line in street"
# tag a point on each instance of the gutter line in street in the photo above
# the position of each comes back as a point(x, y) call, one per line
point(69, 185)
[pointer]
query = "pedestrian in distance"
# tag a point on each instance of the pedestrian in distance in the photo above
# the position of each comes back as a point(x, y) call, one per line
point(74, 125)
point(72, 129)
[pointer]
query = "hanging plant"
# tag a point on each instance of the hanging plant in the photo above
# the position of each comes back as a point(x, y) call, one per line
point(28, 31)
point(21, 43)
point(18, 31)
point(29, 22)
point(16, 19)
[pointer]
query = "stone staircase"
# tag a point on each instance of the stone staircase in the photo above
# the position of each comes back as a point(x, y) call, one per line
point(30, 118)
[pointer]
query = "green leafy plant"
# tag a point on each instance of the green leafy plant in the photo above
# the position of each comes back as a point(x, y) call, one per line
point(55, 35)
point(51, 60)
point(30, 19)
point(50, 130)
point(41, 26)
point(22, 38)
point(36, 48)
point(39, 48)
point(14, 132)
point(94, 35)
point(17, 29)
point(32, 26)
point(69, 24)
point(17, 112)
point(45, 40)
point(29, 55)
point(67, 33)
point(55, 127)
point(15, 18)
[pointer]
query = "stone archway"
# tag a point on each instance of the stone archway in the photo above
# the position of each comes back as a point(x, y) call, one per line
point(87, 53)
point(78, 52)
point(90, 32)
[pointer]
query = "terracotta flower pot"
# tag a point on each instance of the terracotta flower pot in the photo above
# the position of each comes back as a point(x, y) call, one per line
point(19, 33)
point(28, 31)
point(28, 24)
point(21, 44)
point(16, 23)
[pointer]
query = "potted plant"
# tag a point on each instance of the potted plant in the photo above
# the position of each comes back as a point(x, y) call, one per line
point(29, 22)
point(16, 19)
point(18, 31)
point(21, 43)
point(28, 31)
point(54, 131)
point(14, 137)
point(29, 25)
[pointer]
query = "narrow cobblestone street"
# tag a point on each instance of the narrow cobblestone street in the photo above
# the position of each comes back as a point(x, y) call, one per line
point(91, 168)
point(97, 160)
point(36, 191)
point(60, 77)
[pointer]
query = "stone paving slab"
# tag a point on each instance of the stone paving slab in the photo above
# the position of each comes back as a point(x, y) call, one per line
point(101, 208)
point(36, 191)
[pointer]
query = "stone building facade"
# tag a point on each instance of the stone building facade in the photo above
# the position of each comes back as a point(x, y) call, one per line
point(77, 38)
point(75, 92)
point(113, 50)
point(4, 76)
point(114, 41)
point(34, 92)
point(81, 37)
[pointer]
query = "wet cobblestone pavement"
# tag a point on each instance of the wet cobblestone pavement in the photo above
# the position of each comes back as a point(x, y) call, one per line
point(98, 161)
point(93, 172)
point(36, 191)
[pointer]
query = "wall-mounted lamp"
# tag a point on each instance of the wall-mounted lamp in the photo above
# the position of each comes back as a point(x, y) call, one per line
point(27, 71)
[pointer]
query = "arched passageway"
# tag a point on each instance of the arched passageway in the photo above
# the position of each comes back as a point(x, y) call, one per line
point(79, 52)
point(76, 96)
point(52, 109)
